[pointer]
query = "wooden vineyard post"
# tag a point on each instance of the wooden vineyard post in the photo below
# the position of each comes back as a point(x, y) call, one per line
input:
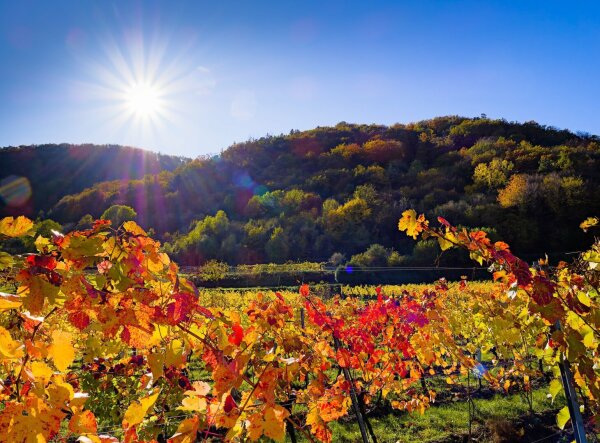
point(354, 398)
point(569, 387)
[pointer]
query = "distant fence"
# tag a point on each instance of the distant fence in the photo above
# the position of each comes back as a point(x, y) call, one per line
point(345, 275)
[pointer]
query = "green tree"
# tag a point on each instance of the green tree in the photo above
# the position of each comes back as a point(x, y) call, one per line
point(277, 248)
point(118, 214)
point(85, 222)
point(347, 224)
point(494, 174)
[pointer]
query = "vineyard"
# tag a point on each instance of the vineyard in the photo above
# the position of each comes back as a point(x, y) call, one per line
point(104, 341)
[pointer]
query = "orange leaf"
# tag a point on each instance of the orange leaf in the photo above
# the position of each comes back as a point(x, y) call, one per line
point(83, 423)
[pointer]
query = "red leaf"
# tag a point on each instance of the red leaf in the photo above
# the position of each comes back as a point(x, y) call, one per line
point(304, 290)
point(443, 221)
point(379, 294)
point(237, 335)
point(79, 319)
point(181, 308)
point(542, 290)
point(230, 404)
point(202, 310)
point(43, 261)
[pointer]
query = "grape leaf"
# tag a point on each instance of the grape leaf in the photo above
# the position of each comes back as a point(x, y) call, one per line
point(15, 227)
point(409, 223)
point(186, 431)
point(563, 417)
point(237, 335)
point(6, 260)
point(9, 301)
point(138, 409)
point(61, 350)
point(83, 422)
point(555, 388)
point(9, 348)
point(588, 223)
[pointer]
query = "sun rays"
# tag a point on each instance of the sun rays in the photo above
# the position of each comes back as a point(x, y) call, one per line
point(139, 85)
point(144, 100)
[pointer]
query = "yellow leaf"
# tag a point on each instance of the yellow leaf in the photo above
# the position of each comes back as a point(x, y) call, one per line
point(563, 417)
point(156, 363)
point(584, 298)
point(42, 243)
point(174, 355)
point(9, 348)
point(555, 388)
point(60, 393)
point(476, 256)
point(61, 350)
point(409, 223)
point(588, 223)
point(9, 301)
point(134, 228)
point(41, 371)
point(274, 426)
point(193, 403)
point(588, 340)
point(15, 227)
point(195, 400)
point(186, 431)
point(138, 409)
point(445, 242)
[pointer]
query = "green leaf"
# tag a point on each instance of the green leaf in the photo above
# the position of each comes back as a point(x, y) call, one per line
point(575, 346)
point(562, 417)
point(80, 247)
point(6, 260)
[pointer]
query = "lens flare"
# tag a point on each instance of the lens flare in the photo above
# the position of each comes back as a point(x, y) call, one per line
point(15, 191)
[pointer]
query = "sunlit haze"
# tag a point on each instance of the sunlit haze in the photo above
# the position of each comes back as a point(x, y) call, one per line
point(190, 78)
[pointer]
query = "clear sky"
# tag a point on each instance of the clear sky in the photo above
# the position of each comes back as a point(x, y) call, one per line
point(191, 78)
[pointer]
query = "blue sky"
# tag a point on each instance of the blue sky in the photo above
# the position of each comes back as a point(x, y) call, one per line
point(226, 71)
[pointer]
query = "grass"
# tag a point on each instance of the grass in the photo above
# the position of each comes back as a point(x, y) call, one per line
point(449, 421)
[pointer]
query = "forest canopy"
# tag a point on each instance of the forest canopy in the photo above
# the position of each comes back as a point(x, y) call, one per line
point(339, 191)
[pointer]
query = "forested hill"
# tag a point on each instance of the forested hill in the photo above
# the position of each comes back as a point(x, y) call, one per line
point(340, 190)
point(34, 178)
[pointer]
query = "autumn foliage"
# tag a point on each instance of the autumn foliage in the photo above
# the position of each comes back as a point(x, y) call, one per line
point(104, 311)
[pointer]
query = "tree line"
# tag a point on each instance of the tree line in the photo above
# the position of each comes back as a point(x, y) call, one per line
point(335, 193)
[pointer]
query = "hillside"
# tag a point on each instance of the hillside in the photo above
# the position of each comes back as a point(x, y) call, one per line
point(308, 195)
point(53, 171)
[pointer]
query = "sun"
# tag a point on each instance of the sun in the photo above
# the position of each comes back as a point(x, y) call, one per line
point(143, 100)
